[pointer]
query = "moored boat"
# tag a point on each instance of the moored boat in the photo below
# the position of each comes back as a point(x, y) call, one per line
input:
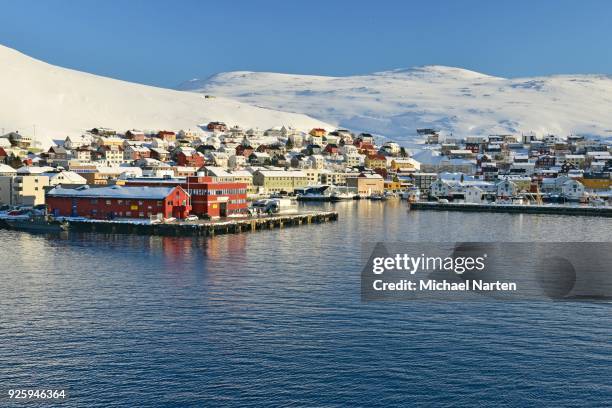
point(36, 224)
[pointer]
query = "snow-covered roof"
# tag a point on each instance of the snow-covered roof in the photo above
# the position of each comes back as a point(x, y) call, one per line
point(34, 169)
point(67, 177)
point(6, 169)
point(150, 193)
point(274, 173)
point(216, 171)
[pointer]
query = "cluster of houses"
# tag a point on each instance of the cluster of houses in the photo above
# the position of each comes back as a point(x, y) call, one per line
point(213, 170)
point(502, 167)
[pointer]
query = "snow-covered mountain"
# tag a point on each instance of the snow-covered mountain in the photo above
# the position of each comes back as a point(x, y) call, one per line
point(55, 102)
point(395, 103)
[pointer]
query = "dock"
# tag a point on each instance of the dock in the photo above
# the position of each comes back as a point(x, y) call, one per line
point(200, 228)
point(515, 208)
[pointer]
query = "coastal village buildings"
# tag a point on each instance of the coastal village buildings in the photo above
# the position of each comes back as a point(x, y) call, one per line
point(228, 165)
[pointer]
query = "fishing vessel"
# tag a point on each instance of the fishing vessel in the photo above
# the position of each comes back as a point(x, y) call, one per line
point(36, 223)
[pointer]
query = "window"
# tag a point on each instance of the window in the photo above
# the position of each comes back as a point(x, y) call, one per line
point(108, 202)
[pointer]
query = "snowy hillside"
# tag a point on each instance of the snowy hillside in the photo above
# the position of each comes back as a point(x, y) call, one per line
point(55, 102)
point(395, 103)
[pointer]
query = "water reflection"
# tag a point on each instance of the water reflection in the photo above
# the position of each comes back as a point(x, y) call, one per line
point(212, 321)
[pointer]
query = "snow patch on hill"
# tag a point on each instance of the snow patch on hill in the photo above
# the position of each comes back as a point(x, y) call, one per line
point(395, 103)
point(56, 102)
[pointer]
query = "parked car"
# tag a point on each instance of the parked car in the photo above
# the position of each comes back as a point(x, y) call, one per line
point(169, 220)
point(192, 218)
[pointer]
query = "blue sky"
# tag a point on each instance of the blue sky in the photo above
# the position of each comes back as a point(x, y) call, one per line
point(166, 42)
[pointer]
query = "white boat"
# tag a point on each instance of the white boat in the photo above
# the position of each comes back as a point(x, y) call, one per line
point(378, 197)
point(413, 194)
point(597, 202)
point(326, 193)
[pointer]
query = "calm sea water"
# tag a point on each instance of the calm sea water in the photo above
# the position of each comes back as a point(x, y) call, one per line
point(275, 318)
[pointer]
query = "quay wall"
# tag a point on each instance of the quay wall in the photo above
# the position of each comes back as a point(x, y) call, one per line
point(516, 209)
point(206, 228)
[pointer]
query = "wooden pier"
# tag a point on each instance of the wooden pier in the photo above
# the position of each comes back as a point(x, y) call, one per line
point(204, 228)
point(515, 209)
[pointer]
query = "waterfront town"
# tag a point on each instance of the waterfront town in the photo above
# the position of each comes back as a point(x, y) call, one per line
point(219, 171)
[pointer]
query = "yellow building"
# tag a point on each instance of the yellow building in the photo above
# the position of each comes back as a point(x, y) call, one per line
point(23, 190)
point(376, 162)
point(393, 186)
point(110, 141)
point(317, 132)
point(404, 164)
point(312, 175)
point(280, 181)
point(367, 184)
point(335, 178)
point(596, 183)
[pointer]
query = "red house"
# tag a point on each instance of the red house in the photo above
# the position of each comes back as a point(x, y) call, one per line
point(217, 126)
point(118, 201)
point(331, 149)
point(245, 151)
point(194, 159)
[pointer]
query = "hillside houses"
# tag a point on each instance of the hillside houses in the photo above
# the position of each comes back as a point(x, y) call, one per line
point(281, 160)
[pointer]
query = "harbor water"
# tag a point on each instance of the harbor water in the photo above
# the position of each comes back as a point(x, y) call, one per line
point(275, 318)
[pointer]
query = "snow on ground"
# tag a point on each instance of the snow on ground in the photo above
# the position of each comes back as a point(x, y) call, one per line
point(55, 102)
point(454, 100)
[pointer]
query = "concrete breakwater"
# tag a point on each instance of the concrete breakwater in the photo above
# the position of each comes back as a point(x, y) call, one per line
point(515, 208)
point(200, 228)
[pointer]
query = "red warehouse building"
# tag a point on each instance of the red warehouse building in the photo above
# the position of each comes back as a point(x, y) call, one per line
point(118, 201)
point(216, 199)
point(209, 198)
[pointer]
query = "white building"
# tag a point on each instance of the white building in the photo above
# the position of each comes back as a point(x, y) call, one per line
point(64, 177)
point(474, 195)
point(234, 161)
point(506, 188)
point(572, 190)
